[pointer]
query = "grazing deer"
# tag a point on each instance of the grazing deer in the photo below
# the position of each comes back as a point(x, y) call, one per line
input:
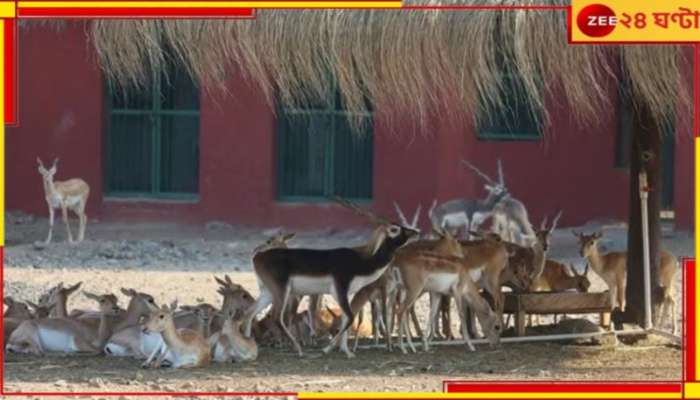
point(230, 344)
point(181, 348)
point(558, 277)
point(468, 214)
point(612, 268)
point(63, 335)
point(282, 273)
point(66, 195)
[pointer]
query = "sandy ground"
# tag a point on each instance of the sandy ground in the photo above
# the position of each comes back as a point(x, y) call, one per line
point(171, 261)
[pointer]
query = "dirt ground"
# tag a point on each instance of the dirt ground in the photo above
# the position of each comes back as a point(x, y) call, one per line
point(171, 261)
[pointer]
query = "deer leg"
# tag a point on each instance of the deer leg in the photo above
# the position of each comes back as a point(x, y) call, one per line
point(283, 313)
point(264, 300)
point(674, 323)
point(434, 308)
point(64, 211)
point(416, 324)
point(340, 293)
point(409, 297)
point(446, 317)
point(51, 218)
point(461, 308)
point(622, 284)
point(83, 221)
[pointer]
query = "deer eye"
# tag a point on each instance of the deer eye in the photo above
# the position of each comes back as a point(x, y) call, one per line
point(161, 316)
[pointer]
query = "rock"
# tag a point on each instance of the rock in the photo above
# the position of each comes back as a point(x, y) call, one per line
point(188, 385)
point(60, 383)
point(96, 382)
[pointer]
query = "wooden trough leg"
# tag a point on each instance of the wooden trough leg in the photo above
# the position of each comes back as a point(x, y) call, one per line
point(520, 323)
point(605, 320)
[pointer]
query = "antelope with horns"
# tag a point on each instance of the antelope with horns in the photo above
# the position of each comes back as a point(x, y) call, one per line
point(64, 335)
point(230, 344)
point(65, 195)
point(526, 264)
point(612, 268)
point(468, 214)
point(181, 348)
point(282, 273)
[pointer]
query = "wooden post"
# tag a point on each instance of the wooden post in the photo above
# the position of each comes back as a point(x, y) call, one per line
point(645, 155)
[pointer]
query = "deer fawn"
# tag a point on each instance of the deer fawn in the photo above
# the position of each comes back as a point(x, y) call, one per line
point(181, 348)
point(612, 268)
point(66, 195)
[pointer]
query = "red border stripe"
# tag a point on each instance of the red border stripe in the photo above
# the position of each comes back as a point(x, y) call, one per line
point(505, 387)
point(690, 297)
point(10, 92)
point(88, 12)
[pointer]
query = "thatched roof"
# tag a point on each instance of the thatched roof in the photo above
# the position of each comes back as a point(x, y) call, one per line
point(418, 63)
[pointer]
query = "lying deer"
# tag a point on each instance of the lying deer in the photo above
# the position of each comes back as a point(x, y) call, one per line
point(282, 273)
point(612, 268)
point(128, 338)
point(16, 312)
point(230, 344)
point(181, 348)
point(66, 195)
point(64, 335)
point(57, 297)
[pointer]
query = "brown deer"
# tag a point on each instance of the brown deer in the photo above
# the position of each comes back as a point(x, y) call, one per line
point(65, 195)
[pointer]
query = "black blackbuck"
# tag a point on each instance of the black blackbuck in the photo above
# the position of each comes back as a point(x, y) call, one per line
point(283, 273)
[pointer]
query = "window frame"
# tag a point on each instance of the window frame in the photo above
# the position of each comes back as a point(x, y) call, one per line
point(156, 113)
point(331, 111)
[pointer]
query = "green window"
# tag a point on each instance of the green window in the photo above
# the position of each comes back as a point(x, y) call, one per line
point(152, 143)
point(513, 120)
point(319, 155)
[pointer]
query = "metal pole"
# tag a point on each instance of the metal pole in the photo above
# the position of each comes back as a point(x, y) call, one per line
point(521, 339)
point(644, 196)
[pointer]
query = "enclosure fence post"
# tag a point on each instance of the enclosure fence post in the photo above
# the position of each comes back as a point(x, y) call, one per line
point(644, 196)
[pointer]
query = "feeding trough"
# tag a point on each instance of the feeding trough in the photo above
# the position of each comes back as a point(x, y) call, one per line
point(522, 304)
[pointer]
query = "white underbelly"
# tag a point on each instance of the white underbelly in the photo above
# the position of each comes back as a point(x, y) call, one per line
point(57, 341)
point(441, 282)
point(476, 273)
point(361, 281)
point(455, 219)
point(311, 284)
point(149, 342)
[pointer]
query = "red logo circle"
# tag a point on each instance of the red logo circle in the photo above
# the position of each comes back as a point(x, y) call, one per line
point(596, 20)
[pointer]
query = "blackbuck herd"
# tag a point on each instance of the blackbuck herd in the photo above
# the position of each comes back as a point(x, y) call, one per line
point(398, 264)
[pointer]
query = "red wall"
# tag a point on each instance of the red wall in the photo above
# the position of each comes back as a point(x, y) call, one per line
point(571, 169)
point(60, 115)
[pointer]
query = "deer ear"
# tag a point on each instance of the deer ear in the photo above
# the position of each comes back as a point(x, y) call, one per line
point(289, 236)
point(73, 288)
point(8, 301)
point(598, 235)
point(173, 305)
point(128, 292)
point(90, 295)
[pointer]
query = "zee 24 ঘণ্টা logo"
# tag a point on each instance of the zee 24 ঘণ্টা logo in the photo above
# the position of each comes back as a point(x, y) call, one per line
point(599, 20)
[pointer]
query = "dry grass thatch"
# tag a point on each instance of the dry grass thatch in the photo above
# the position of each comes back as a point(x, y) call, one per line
point(420, 63)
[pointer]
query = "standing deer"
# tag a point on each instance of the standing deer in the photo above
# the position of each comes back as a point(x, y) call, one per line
point(612, 267)
point(283, 273)
point(66, 195)
point(468, 214)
